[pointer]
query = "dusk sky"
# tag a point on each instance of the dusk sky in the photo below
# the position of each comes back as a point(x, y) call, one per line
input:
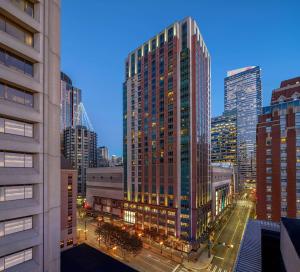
point(97, 35)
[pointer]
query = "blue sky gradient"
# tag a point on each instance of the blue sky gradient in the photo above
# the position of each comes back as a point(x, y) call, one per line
point(97, 35)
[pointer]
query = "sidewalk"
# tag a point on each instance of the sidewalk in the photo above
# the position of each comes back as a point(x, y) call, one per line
point(200, 264)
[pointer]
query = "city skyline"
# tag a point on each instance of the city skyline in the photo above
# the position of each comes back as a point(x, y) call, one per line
point(264, 42)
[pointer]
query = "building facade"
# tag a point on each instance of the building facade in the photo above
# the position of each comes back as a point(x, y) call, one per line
point(80, 147)
point(68, 237)
point(243, 96)
point(224, 138)
point(102, 156)
point(166, 104)
point(222, 187)
point(29, 135)
point(104, 190)
point(70, 101)
point(278, 154)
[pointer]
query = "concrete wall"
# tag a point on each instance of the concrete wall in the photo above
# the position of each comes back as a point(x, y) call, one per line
point(104, 182)
point(45, 146)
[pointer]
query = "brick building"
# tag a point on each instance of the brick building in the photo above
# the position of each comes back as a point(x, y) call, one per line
point(278, 154)
point(68, 194)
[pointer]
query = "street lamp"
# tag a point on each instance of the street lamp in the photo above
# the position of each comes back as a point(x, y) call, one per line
point(85, 230)
point(161, 245)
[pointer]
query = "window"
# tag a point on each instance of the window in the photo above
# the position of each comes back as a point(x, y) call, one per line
point(269, 170)
point(16, 225)
point(9, 193)
point(17, 128)
point(15, 259)
point(15, 95)
point(24, 5)
point(16, 62)
point(297, 119)
point(70, 242)
point(18, 160)
point(16, 31)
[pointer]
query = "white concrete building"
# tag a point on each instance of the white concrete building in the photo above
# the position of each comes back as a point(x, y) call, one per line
point(29, 135)
point(222, 187)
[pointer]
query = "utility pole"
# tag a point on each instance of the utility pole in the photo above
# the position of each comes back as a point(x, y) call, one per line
point(209, 246)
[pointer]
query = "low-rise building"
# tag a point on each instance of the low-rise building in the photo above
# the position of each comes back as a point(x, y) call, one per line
point(104, 190)
point(270, 246)
point(222, 187)
point(68, 205)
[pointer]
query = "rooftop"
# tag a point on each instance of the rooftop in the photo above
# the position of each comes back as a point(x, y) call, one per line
point(84, 258)
point(293, 228)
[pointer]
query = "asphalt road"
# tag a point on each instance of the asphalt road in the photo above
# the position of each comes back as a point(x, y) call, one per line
point(144, 262)
point(230, 234)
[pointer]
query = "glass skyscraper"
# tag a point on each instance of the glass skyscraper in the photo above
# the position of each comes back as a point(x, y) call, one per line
point(243, 95)
point(223, 138)
point(70, 101)
point(166, 105)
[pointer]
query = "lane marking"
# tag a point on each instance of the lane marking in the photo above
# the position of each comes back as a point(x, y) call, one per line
point(219, 257)
point(175, 268)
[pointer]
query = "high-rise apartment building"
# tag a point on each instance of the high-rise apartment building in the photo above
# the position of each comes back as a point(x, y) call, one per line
point(29, 135)
point(70, 101)
point(166, 103)
point(102, 156)
point(224, 138)
point(278, 154)
point(80, 148)
point(243, 96)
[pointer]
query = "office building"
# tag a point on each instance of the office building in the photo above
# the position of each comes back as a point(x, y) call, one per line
point(29, 135)
point(278, 154)
point(166, 104)
point(104, 190)
point(223, 138)
point(80, 147)
point(222, 187)
point(68, 194)
point(243, 96)
point(116, 161)
point(70, 103)
point(102, 156)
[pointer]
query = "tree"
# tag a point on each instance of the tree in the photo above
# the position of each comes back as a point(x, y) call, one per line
point(114, 235)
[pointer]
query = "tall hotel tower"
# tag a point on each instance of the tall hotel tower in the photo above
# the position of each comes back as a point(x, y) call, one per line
point(243, 97)
point(278, 154)
point(166, 102)
point(29, 135)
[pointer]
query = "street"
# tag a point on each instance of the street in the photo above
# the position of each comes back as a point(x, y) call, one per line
point(143, 262)
point(231, 234)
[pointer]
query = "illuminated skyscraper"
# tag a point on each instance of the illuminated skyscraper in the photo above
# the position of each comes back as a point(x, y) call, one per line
point(223, 138)
point(166, 104)
point(243, 95)
point(80, 148)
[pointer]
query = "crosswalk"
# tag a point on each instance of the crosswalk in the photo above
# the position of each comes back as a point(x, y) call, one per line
point(215, 268)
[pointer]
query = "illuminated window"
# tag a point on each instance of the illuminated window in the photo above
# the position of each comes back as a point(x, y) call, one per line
point(10, 193)
point(15, 259)
point(16, 225)
point(129, 217)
